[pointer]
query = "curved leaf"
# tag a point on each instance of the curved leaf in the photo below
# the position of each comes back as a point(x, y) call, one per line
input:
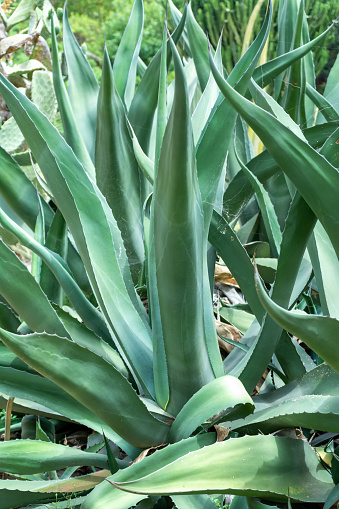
point(33, 456)
point(310, 401)
point(29, 387)
point(269, 467)
point(320, 333)
point(82, 88)
point(70, 128)
point(111, 397)
point(225, 396)
point(178, 245)
point(107, 496)
point(126, 58)
point(117, 173)
point(86, 310)
point(99, 241)
point(316, 179)
point(22, 292)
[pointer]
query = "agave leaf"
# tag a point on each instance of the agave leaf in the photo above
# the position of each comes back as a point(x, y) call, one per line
point(145, 100)
point(302, 478)
point(116, 403)
point(106, 262)
point(82, 305)
point(220, 126)
point(207, 100)
point(198, 44)
point(29, 492)
point(70, 128)
point(330, 149)
point(300, 222)
point(318, 134)
point(145, 163)
point(225, 241)
point(162, 99)
point(326, 270)
point(126, 58)
point(39, 237)
point(267, 210)
point(8, 319)
point(315, 172)
point(293, 99)
point(22, 292)
point(326, 108)
point(332, 498)
point(20, 194)
point(56, 241)
point(224, 395)
point(42, 393)
point(310, 401)
point(270, 70)
point(117, 169)
point(193, 502)
point(176, 17)
point(318, 332)
point(33, 456)
point(87, 338)
point(178, 242)
point(82, 88)
point(331, 89)
point(107, 496)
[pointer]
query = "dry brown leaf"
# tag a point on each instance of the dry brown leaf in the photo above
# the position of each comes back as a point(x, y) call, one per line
point(229, 332)
point(148, 452)
point(222, 432)
point(223, 275)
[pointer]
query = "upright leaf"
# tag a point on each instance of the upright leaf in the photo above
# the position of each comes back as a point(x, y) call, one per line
point(126, 58)
point(117, 171)
point(178, 239)
point(82, 88)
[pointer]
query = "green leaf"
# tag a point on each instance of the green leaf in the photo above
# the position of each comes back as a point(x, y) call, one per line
point(42, 393)
point(310, 401)
point(241, 466)
point(86, 310)
point(318, 332)
point(79, 201)
point(224, 396)
point(193, 502)
point(178, 244)
point(15, 492)
point(82, 88)
point(113, 465)
point(117, 169)
point(332, 498)
point(56, 241)
point(126, 58)
point(199, 48)
point(70, 128)
point(145, 100)
point(316, 179)
point(33, 456)
point(22, 292)
point(331, 89)
point(111, 390)
point(267, 210)
point(225, 241)
point(326, 108)
point(107, 496)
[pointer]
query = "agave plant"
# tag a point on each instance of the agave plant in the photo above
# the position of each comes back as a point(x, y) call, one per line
point(140, 192)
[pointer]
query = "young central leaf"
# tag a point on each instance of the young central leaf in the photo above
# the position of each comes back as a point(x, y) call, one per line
point(179, 244)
